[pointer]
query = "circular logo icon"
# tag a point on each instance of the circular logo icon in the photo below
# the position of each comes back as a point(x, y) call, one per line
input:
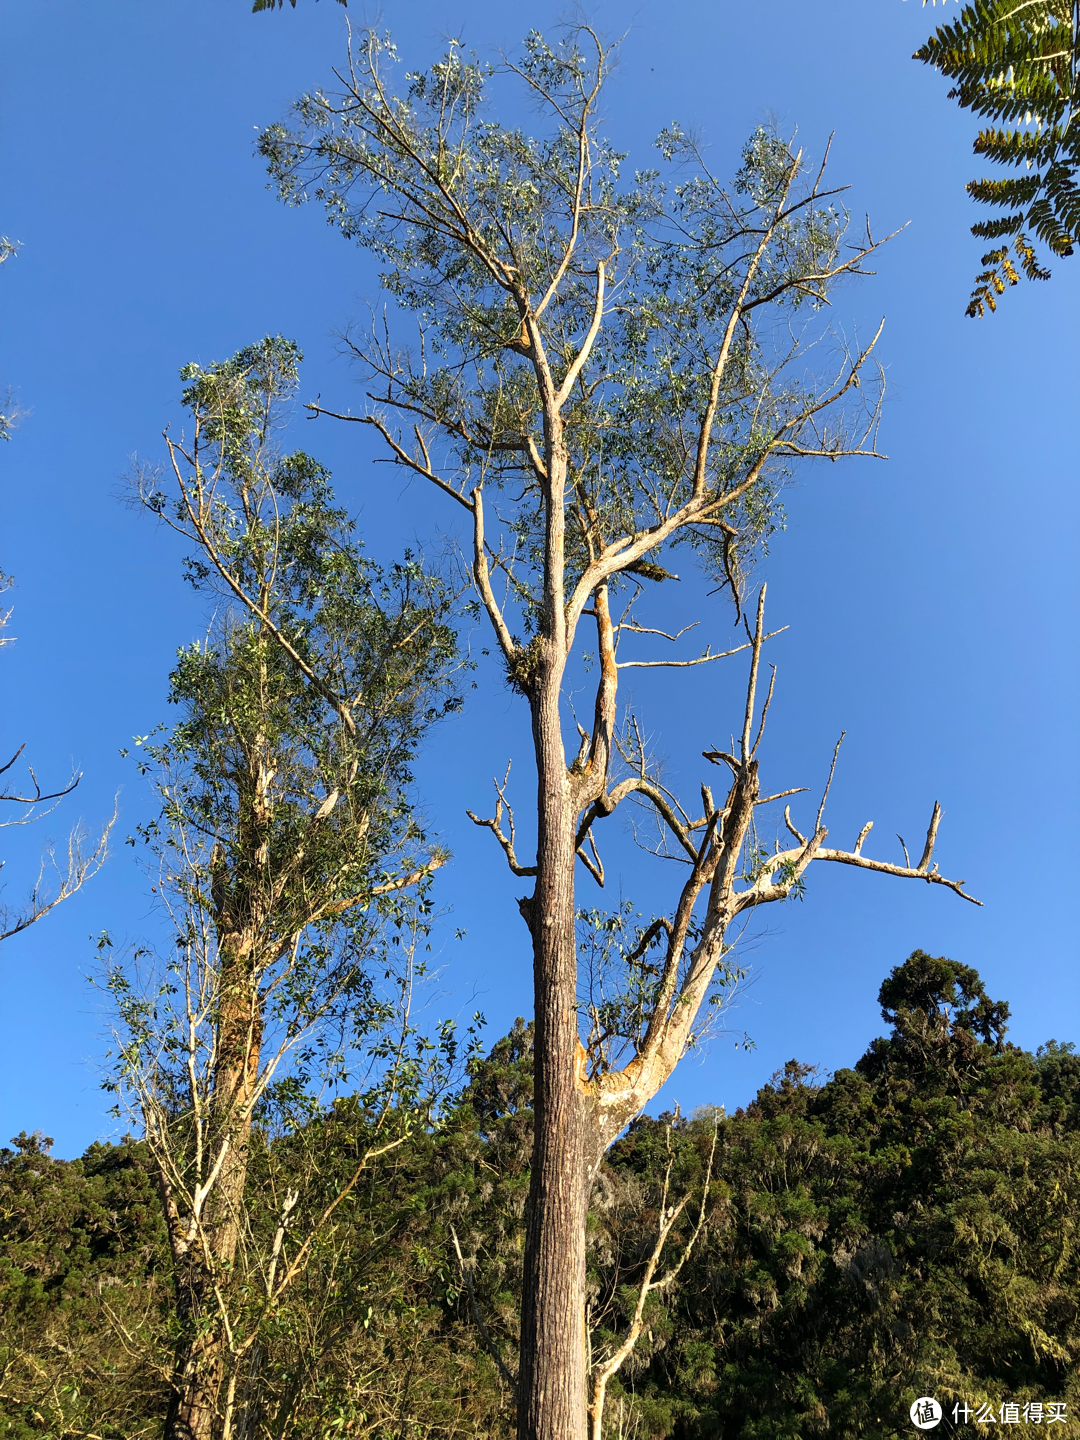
point(925, 1413)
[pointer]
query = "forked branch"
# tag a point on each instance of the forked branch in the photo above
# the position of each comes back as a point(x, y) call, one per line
point(494, 824)
point(82, 864)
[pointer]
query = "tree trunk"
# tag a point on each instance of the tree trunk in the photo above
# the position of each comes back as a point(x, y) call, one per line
point(197, 1385)
point(194, 1411)
point(552, 1371)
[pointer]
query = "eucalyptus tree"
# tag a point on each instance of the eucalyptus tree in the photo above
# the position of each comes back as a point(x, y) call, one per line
point(1016, 63)
point(605, 374)
point(292, 867)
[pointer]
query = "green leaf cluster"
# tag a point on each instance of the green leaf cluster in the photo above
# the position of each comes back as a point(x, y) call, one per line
point(908, 1227)
point(84, 1286)
point(1016, 63)
point(285, 784)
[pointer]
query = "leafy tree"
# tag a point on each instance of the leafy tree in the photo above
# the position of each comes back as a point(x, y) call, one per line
point(1017, 64)
point(83, 1292)
point(288, 854)
point(907, 1228)
point(608, 373)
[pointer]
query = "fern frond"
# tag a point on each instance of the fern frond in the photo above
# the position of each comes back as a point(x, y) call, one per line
point(1018, 147)
point(1017, 64)
point(1005, 192)
point(994, 229)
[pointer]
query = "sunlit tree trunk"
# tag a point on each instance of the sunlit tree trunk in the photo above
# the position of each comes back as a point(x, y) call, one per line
point(553, 1362)
point(203, 1272)
point(552, 1368)
point(203, 1278)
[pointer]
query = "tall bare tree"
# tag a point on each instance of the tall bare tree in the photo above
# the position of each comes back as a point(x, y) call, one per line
point(288, 854)
point(603, 374)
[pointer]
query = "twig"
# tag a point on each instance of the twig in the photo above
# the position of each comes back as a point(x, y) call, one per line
point(828, 783)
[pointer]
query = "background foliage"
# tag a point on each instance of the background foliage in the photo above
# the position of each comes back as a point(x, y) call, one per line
point(907, 1226)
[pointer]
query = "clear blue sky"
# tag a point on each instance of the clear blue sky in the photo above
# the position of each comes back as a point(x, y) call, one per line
point(932, 600)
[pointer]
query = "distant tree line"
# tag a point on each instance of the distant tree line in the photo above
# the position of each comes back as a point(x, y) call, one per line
point(905, 1227)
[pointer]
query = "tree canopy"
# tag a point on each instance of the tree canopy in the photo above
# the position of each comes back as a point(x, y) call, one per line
point(610, 373)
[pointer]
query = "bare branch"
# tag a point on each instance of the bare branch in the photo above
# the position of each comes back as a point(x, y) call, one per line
point(401, 882)
point(495, 826)
point(639, 784)
point(746, 749)
point(680, 664)
point(37, 798)
point(715, 756)
point(765, 709)
point(828, 783)
point(401, 455)
point(593, 863)
point(81, 866)
point(482, 577)
point(906, 872)
point(768, 799)
point(788, 863)
point(931, 837)
point(590, 337)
